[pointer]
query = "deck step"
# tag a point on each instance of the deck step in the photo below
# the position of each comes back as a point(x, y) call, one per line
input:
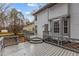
point(36, 40)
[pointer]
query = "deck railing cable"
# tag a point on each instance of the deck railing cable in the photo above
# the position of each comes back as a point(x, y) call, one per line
point(65, 42)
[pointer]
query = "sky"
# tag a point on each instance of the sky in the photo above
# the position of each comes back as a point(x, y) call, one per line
point(27, 9)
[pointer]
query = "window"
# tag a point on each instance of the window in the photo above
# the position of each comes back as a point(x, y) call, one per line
point(36, 29)
point(36, 18)
point(46, 27)
point(66, 26)
point(56, 26)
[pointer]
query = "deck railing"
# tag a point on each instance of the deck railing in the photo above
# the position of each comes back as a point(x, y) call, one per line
point(7, 41)
point(1, 46)
point(65, 42)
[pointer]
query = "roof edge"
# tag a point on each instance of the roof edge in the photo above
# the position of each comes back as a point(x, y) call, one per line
point(45, 7)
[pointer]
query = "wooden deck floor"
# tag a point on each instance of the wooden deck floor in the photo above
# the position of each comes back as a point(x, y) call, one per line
point(43, 49)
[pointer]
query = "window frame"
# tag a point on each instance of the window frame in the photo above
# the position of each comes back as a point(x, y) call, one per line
point(66, 26)
point(56, 26)
point(46, 27)
point(35, 17)
point(36, 29)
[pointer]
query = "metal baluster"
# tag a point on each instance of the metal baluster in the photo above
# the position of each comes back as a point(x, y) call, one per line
point(61, 40)
point(58, 41)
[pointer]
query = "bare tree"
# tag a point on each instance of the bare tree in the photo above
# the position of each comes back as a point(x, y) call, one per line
point(13, 17)
point(3, 16)
point(17, 21)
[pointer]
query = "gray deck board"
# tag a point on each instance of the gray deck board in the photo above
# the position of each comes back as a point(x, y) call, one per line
point(74, 54)
point(65, 53)
point(43, 49)
point(52, 50)
point(69, 53)
point(58, 50)
point(62, 52)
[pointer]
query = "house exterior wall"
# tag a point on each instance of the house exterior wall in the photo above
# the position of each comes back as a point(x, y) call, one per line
point(42, 19)
point(30, 28)
point(57, 11)
point(45, 15)
point(74, 21)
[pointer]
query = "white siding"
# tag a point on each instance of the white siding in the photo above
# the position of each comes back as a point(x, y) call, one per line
point(42, 18)
point(74, 12)
point(55, 11)
point(58, 10)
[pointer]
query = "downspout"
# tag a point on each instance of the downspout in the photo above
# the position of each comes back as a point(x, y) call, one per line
point(49, 26)
point(69, 19)
point(48, 23)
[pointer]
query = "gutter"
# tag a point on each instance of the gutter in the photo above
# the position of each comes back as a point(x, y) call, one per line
point(45, 7)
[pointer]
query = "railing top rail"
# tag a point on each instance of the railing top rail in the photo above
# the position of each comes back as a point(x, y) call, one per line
point(67, 38)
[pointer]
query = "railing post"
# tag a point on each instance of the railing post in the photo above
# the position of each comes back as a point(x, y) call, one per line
point(26, 34)
point(45, 34)
point(61, 40)
point(58, 41)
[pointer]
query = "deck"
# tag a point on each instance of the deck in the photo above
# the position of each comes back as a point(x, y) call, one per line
point(43, 49)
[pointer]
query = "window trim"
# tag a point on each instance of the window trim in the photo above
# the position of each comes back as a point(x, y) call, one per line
point(35, 17)
point(56, 28)
point(46, 27)
point(68, 26)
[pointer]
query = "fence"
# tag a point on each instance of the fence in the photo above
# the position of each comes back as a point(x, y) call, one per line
point(26, 34)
